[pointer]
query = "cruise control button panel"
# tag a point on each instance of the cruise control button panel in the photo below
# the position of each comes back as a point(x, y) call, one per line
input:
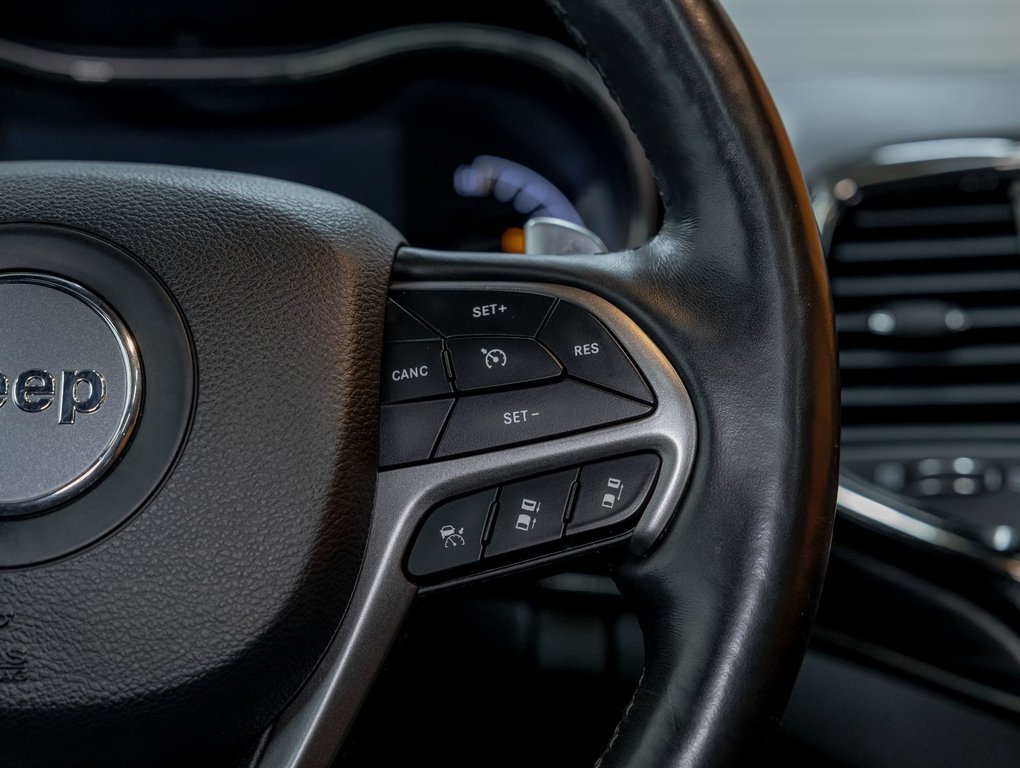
point(516, 366)
point(543, 517)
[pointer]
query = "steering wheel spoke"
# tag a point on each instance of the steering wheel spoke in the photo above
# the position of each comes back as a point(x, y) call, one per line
point(562, 431)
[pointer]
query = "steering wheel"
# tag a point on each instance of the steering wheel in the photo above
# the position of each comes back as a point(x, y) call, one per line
point(201, 557)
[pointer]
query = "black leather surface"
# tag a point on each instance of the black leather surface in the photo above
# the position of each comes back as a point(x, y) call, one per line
point(734, 290)
point(196, 621)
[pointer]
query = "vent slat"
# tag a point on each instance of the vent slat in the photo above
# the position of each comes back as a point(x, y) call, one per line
point(980, 319)
point(982, 395)
point(926, 284)
point(884, 251)
point(942, 215)
point(964, 357)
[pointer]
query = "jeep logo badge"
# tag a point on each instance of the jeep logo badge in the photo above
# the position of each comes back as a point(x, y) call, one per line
point(70, 390)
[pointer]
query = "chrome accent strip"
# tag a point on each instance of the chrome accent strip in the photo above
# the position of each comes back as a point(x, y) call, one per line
point(321, 715)
point(540, 52)
point(918, 526)
point(133, 376)
point(907, 160)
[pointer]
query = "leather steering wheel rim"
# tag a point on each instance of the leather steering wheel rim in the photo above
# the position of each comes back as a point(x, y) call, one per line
point(734, 291)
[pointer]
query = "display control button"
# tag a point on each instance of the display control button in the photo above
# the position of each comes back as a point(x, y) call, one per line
point(401, 326)
point(591, 353)
point(531, 513)
point(412, 370)
point(484, 422)
point(408, 432)
point(478, 313)
point(451, 536)
point(611, 492)
point(494, 361)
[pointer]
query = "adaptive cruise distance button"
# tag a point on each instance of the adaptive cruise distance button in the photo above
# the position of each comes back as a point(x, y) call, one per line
point(612, 491)
point(531, 513)
point(413, 369)
point(451, 535)
point(493, 361)
point(408, 432)
point(484, 422)
point(591, 353)
point(478, 313)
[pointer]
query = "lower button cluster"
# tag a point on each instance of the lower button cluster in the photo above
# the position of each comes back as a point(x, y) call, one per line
point(540, 514)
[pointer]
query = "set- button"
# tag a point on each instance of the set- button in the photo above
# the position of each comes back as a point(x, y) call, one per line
point(501, 419)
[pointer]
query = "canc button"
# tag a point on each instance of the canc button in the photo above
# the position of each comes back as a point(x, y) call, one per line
point(612, 492)
point(413, 369)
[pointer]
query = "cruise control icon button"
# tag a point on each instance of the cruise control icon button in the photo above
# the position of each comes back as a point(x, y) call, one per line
point(500, 361)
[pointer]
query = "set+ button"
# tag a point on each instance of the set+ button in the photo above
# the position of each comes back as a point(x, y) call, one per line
point(478, 313)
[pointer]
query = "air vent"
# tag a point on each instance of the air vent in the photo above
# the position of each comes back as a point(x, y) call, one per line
point(926, 279)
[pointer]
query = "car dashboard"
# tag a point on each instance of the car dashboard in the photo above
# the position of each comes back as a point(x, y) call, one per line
point(459, 124)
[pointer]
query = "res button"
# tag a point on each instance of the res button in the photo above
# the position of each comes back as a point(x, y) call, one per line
point(591, 353)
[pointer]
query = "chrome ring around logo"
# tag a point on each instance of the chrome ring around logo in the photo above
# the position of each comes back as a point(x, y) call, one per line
point(70, 390)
